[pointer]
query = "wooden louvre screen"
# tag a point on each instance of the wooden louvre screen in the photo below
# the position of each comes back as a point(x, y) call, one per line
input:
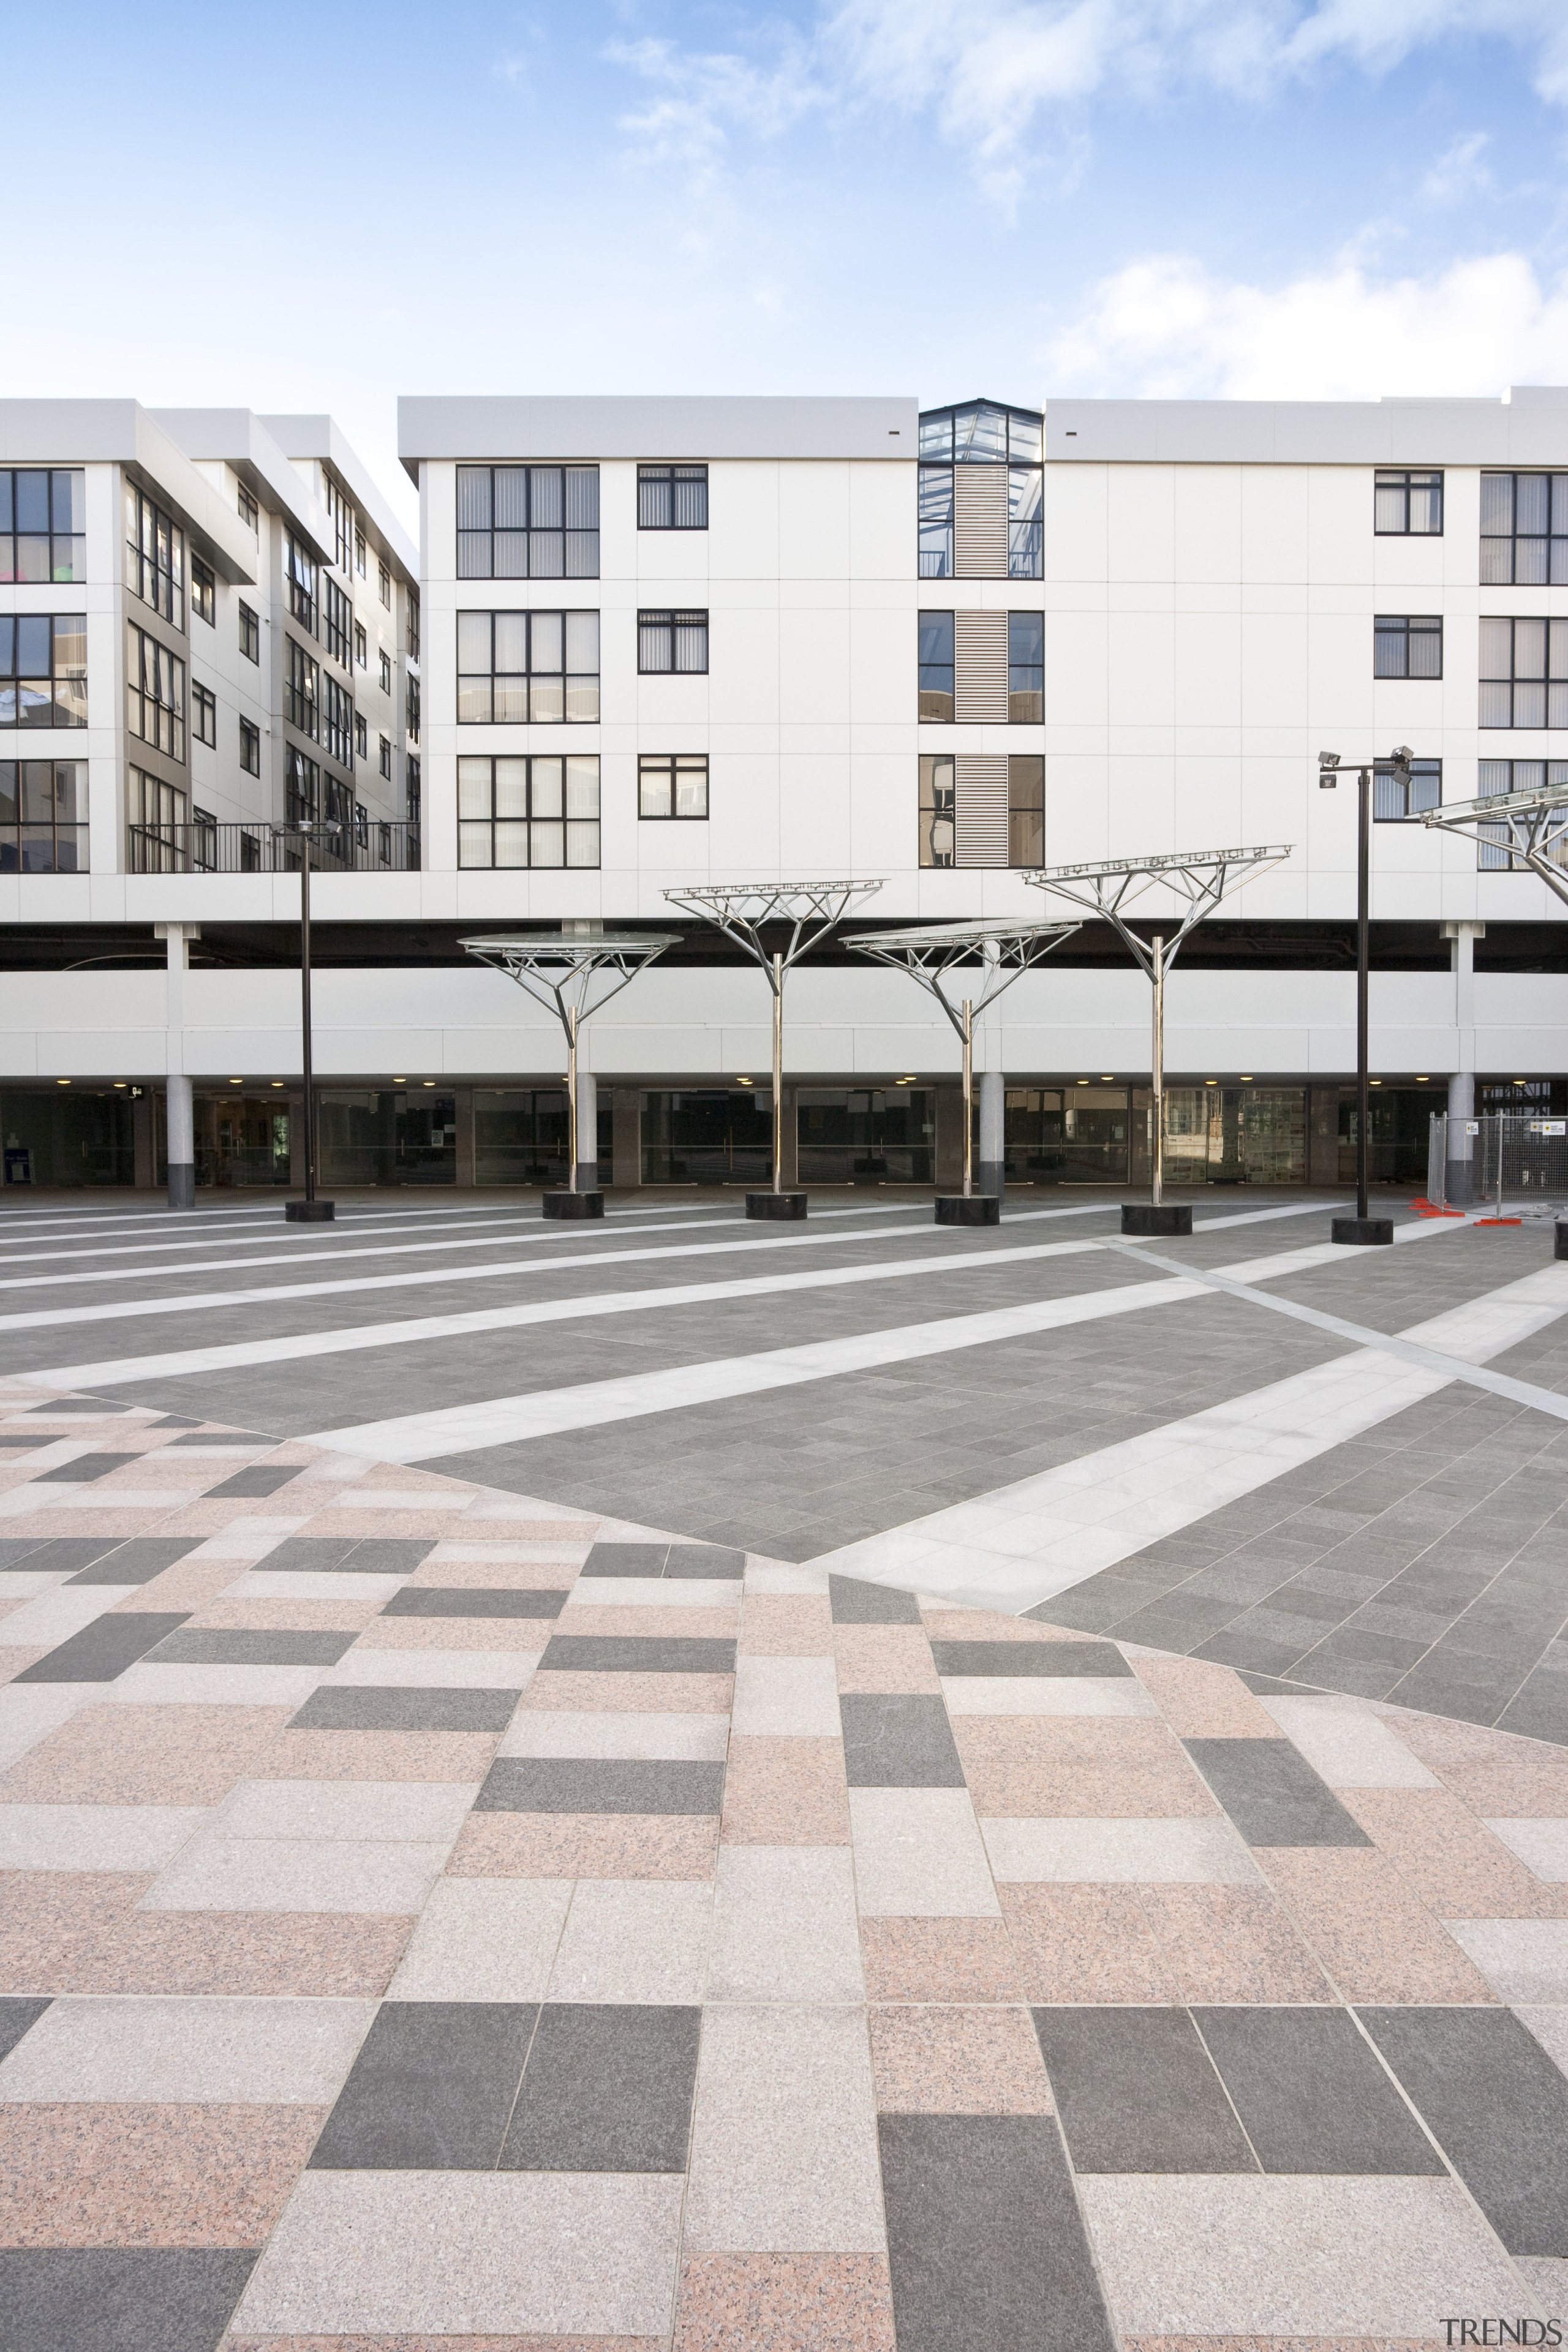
point(980, 809)
point(980, 651)
point(980, 521)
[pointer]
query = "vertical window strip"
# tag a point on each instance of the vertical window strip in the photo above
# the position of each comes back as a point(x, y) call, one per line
point(532, 810)
point(43, 816)
point(527, 523)
point(1524, 672)
point(43, 669)
point(1524, 531)
point(537, 668)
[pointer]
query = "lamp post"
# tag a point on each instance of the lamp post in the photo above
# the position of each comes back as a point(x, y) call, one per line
point(1362, 1231)
point(309, 1210)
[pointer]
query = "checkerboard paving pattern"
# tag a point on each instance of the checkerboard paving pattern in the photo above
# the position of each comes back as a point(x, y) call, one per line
point(430, 1919)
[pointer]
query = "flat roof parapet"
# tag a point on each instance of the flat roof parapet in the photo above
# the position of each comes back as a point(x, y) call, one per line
point(556, 427)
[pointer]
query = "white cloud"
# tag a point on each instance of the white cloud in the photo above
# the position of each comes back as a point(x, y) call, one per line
point(1166, 327)
point(1459, 172)
point(698, 98)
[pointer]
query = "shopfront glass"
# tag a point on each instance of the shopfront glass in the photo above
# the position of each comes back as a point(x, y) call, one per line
point(68, 1137)
point(521, 1135)
point(389, 1138)
point(708, 1135)
point(1065, 1135)
point(1237, 1134)
point(866, 1135)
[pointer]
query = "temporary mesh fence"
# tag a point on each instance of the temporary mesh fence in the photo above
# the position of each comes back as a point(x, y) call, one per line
point(1518, 1164)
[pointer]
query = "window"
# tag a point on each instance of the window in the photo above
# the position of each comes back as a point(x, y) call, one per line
point(43, 669)
point(342, 522)
point(936, 665)
point(301, 688)
point(1408, 648)
point(154, 693)
point(338, 616)
point(1025, 667)
point(1524, 673)
point(362, 646)
point(963, 528)
point(411, 790)
point(1025, 810)
point(42, 520)
point(204, 591)
point(1394, 801)
point(361, 742)
point(938, 809)
point(527, 523)
point(1493, 856)
point(1524, 531)
point(250, 747)
point(672, 783)
point(413, 627)
point(387, 673)
point(385, 584)
point(538, 812)
point(43, 816)
point(249, 634)
point(204, 714)
point(386, 756)
point(302, 785)
point(542, 666)
point(672, 641)
point(359, 552)
point(672, 497)
point(155, 557)
point(1407, 505)
point(337, 737)
point(203, 841)
point(249, 513)
point(411, 710)
point(300, 582)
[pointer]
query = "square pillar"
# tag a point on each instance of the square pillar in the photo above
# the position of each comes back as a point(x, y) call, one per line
point(626, 1115)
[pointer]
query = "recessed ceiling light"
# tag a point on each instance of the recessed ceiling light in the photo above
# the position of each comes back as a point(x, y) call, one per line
point(1211, 1082)
point(426, 1082)
point(277, 1082)
point(1424, 1080)
point(745, 1082)
point(237, 1082)
point(65, 1082)
point(400, 1082)
point(1246, 1077)
point(121, 1085)
point(1106, 1076)
point(1374, 1082)
point(1517, 1081)
point(1083, 1082)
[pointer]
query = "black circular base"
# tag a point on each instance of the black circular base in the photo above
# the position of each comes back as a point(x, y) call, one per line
point(1147, 1218)
point(1560, 1245)
point(975, 1209)
point(1363, 1232)
point(309, 1212)
point(777, 1208)
point(573, 1204)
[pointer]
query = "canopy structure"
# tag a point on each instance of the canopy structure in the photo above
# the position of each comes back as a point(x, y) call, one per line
point(932, 950)
point(1202, 877)
point(1530, 830)
point(573, 974)
point(742, 910)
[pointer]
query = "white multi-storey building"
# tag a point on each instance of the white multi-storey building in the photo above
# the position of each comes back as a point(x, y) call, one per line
point(677, 641)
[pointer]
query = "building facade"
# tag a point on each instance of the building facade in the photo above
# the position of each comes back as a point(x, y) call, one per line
point(656, 642)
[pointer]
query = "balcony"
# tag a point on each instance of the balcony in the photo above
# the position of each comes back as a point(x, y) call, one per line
point(379, 847)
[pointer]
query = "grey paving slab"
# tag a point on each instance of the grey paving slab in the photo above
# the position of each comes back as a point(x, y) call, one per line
point(309, 1555)
point(102, 1651)
point(259, 1479)
point(986, 2246)
point(1273, 1795)
point(482, 1600)
point(1045, 1660)
point(1497, 2106)
point(138, 1561)
point(898, 1740)
point(569, 1784)
point(249, 1646)
point(1136, 2092)
point(625, 1560)
point(632, 1654)
point(1310, 2093)
point(119, 2299)
point(432, 2089)
point(855, 1602)
point(607, 2088)
point(346, 1706)
point(85, 1469)
point(18, 2016)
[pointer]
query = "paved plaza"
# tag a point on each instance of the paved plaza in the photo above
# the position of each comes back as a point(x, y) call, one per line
point(684, 1784)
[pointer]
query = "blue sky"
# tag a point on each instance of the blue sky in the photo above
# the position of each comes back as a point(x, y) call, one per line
point(312, 208)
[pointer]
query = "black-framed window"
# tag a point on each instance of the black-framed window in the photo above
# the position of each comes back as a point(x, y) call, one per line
point(938, 809)
point(982, 432)
point(1395, 800)
point(672, 497)
point(411, 775)
point(336, 736)
point(527, 523)
point(204, 714)
point(43, 669)
point(204, 840)
point(43, 517)
point(302, 785)
point(362, 735)
point(1524, 531)
point(413, 603)
point(1406, 505)
point(338, 623)
point(1407, 645)
point(301, 688)
point(387, 673)
point(386, 756)
point(339, 800)
point(154, 693)
point(249, 634)
point(155, 557)
point(152, 800)
point(936, 666)
point(536, 812)
point(672, 785)
point(362, 647)
point(936, 522)
point(411, 708)
point(538, 667)
point(1026, 809)
point(672, 641)
point(1524, 673)
point(384, 585)
point(342, 520)
point(43, 816)
point(358, 551)
point(299, 581)
point(204, 591)
point(250, 747)
point(1493, 855)
point(249, 512)
point(1026, 667)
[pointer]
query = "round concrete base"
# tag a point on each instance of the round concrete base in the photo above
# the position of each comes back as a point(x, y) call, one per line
point(1363, 1232)
point(1143, 1217)
point(1560, 1246)
point(309, 1212)
point(977, 1209)
point(573, 1204)
point(777, 1208)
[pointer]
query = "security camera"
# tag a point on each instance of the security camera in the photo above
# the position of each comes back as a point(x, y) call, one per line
point(1327, 763)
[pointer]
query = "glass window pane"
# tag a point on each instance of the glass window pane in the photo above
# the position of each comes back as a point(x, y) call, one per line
point(690, 641)
point(1531, 564)
point(1497, 503)
point(511, 788)
point(8, 786)
point(1026, 639)
point(654, 642)
point(692, 498)
point(511, 701)
point(545, 501)
point(583, 642)
point(547, 555)
point(1497, 648)
point(7, 645)
point(473, 845)
point(1560, 504)
point(549, 777)
point(1529, 705)
point(511, 843)
point(582, 844)
point(1530, 649)
point(1388, 505)
point(473, 498)
point(653, 788)
point(549, 844)
point(581, 700)
point(1497, 563)
point(1557, 705)
point(1426, 503)
point(1390, 649)
point(582, 555)
point(474, 788)
point(582, 786)
point(7, 522)
point(656, 499)
point(1496, 705)
point(1426, 649)
point(936, 639)
point(1533, 504)
point(512, 497)
point(474, 641)
point(1528, 776)
point(582, 498)
point(511, 643)
point(936, 434)
point(1492, 776)
point(473, 701)
point(544, 643)
point(1024, 436)
point(33, 502)
point(691, 788)
point(510, 554)
point(980, 434)
point(33, 634)
point(32, 559)
point(1557, 634)
point(70, 644)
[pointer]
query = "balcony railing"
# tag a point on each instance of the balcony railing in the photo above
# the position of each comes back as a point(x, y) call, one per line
point(380, 847)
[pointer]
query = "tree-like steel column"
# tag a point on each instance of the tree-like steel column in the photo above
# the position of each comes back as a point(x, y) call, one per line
point(742, 910)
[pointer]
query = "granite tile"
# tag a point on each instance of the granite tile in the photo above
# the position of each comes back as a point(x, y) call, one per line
point(1086, 1944)
point(396, 1707)
point(564, 1784)
point(1230, 1944)
point(1522, 1959)
point(633, 1940)
point(786, 1625)
point(142, 1754)
point(1272, 1793)
point(475, 1601)
point(579, 1653)
point(783, 2148)
point(607, 2087)
point(693, 1738)
point(247, 1952)
point(102, 1651)
point(784, 2303)
point(1310, 2094)
point(1452, 1861)
point(1376, 1940)
point(1016, 1658)
point(1137, 2092)
point(1065, 1695)
point(172, 2052)
point(957, 2062)
point(785, 1792)
point(1200, 1701)
point(130, 2174)
point(462, 1756)
point(785, 1925)
point(854, 1601)
point(918, 1854)
point(215, 1873)
point(782, 1697)
point(584, 1845)
point(484, 1939)
point(598, 1693)
point(432, 2089)
point(873, 1657)
point(120, 2299)
point(1078, 1766)
point(95, 1837)
point(938, 1960)
point(1067, 1848)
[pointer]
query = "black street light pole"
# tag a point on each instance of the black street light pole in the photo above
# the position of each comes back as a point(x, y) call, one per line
point(309, 1210)
point(1362, 1230)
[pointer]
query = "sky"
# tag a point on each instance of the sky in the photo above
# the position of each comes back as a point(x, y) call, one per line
point(300, 208)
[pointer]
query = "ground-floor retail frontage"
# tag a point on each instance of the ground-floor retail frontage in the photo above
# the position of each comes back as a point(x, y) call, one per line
point(397, 1132)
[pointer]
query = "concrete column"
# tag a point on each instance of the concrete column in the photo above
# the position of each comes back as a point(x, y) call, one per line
point(587, 1130)
point(181, 1121)
point(626, 1115)
point(989, 1160)
point(1458, 1175)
